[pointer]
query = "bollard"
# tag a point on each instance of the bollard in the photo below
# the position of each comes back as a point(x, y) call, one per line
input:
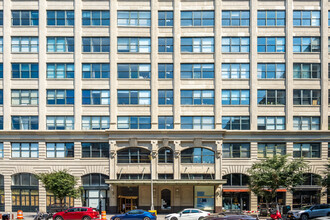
point(19, 214)
point(103, 215)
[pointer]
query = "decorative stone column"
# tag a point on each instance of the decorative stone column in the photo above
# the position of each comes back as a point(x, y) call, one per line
point(177, 161)
point(253, 202)
point(42, 198)
point(8, 199)
point(112, 176)
point(113, 198)
point(77, 201)
point(288, 198)
point(218, 198)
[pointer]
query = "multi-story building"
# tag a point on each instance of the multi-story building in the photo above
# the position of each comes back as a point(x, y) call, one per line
point(186, 94)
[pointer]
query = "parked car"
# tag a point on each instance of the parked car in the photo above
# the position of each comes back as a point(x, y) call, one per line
point(230, 216)
point(77, 213)
point(311, 211)
point(188, 214)
point(136, 214)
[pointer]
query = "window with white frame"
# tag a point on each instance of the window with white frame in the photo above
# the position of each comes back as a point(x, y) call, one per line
point(306, 18)
point(236, 122)
point(197, 122)
point(60, 123)
point(306, 97)
point(134, 45)
point(271, 123)
point(60, 150)
point(197, 71)
point(95, 44)
point(165, 18)
point(134, 71)
point(165, 122)
point(165, 44)
point(25, 18)
point(24, 122)
point(24, 97)
point(308, 150)
point(197, 97)
point(96, 18)
point(271, 44)
point(134, 97)
point(165, 71)
point(60, 17)
point(271, 18)
point(95, 70)
point(24, 150)
point(271, 149)
point(134, 122)
point(271, 70)
point(235, 44)
point(197, 18)
point(271, 97)
point(306, 70)
point(95, 122)
point(95, 150)
point(165, 97)
point(25, 70)
point(197, 44)
point(235, 18)
point(60, 96)
point(236, 150)
point(95, 97)
point(60, 70)
point(235, 70)
point(306, 44)
point(24, 44)
point(60, 44)
point(306, 123)
point(134, 18)
point(235, 97)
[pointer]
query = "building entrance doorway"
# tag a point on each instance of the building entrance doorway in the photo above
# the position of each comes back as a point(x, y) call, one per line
point(127, 198)
point(165, 202)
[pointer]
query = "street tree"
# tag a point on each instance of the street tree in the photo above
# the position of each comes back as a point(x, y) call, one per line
point(271, 174)
point(61, 184)
point(326, 178)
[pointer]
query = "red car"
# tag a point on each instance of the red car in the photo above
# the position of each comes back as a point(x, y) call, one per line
point(77, 213)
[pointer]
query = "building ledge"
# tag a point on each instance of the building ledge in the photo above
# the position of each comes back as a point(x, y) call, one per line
point(166, 182)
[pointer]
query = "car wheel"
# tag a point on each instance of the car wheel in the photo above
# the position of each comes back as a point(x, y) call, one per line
point(58, 218)
point(200, 218)
point(328, 214)
point(146, 218)
point(86, 218)
point(304, 217)
point(174, 218)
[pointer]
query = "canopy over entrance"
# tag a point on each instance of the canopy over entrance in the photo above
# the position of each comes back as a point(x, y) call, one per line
point(166, 182)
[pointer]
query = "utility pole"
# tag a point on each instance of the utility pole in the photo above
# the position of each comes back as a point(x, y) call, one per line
point(152, 185)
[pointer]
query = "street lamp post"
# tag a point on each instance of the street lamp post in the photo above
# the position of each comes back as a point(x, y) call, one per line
point(152, 184)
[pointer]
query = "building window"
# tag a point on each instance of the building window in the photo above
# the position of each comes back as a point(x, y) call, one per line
point(306, 70)
point(165, 176)
point(1, 153)
point(197, 97)
point(271, 44)
point(197, 176)
point(235, 44)
point(197, 44)
point(235, 97)
point(24, 123)
point(95, 44)
point(60, 96)
point(60, 150)
point(271, 70)
point(165, 155)
point(24, 150)
point(24, 97)
point(131, 176)
point(165, 18)
point(134, 71)
point(1, 17)
point(95, 71)
point(235, 18)
point(307, 150)
point(1, 122)
point(235, 70)
point(95, 18)
point(165, 44)
point(95, 122)
point(134, 44)
point(134, 122)
point(1, 70)
point(306, 97)
point(95, 191)
point(60, 70)
point(305, 123)
point(197, 155)
point(197, 71)
point(95, 97)
point(165, 97)
point(25, 70)
point(134, 97)
point(134, 18)
point(271, 123)
point(1, 96)
point(95, 150)
point(60, 44)
point(29, 18)
point(165, 122)
point(271, 18)
point(197, 18)
point(24, 44)
point(271, 149)
point(165, 71)
point(271, 97)
point(306, 18)
point(236, 150)
point(236, 179)
point(236, 122)
point(306, 44)
point(197, 122)
point(60, 18)
point(60, 123)
point(133, 155)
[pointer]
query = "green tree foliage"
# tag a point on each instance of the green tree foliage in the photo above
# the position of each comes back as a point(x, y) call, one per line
point(271, 174)
point(326, 178)
point(60, 183)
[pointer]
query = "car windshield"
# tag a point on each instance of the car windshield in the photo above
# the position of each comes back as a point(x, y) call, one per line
point(306, 207)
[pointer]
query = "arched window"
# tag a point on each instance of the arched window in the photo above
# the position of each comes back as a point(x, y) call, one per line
point(2, 194)
point(165, 155)
point(133, 155)
point(25, 192)
point(236, 179)
point(95, 192)
point(311, 179)
point(197, 155)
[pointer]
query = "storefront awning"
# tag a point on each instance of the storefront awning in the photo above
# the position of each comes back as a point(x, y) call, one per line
point(166, 182)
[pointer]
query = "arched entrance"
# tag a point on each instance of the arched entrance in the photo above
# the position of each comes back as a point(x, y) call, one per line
point(165, 201)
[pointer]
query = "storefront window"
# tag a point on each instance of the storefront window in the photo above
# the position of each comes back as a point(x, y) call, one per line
point(204, 197)
point(280, 199)
point(2, 194)
point(236, 200)
point(236, 179)
point(309, 196)
point(54, 203)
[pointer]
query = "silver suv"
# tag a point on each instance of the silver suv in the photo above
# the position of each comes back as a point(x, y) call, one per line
point(311, 211)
